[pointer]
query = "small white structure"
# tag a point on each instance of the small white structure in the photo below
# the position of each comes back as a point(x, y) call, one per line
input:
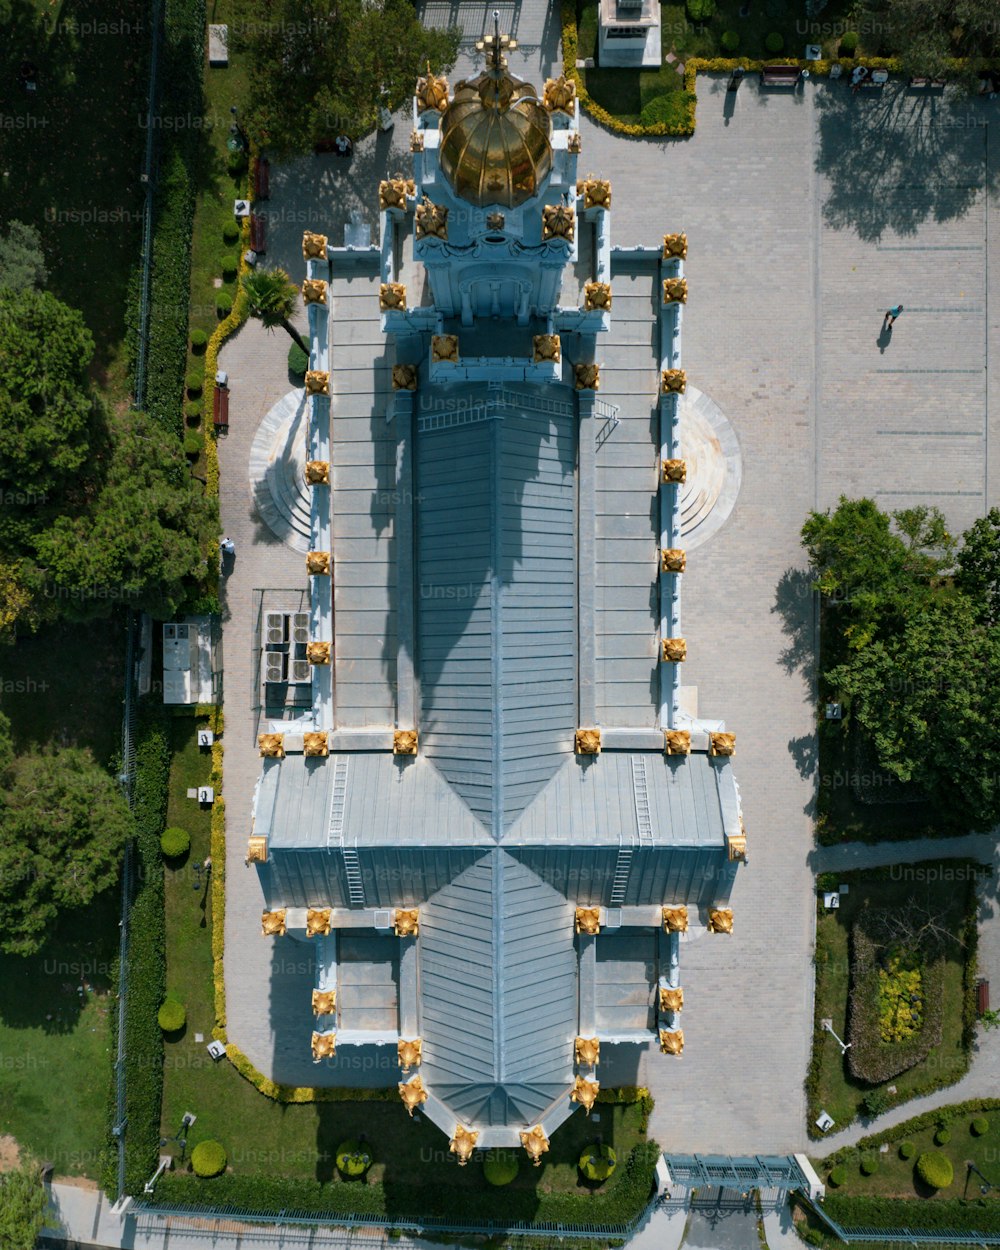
point(629, 33)
point(188, 670)
point(218, 46)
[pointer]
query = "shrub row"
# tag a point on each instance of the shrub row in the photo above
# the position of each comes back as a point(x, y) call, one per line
point(910, 1127)
point(894, 1213)
point(629, 1094)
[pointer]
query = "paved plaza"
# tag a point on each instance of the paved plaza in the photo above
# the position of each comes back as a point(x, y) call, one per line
point(807, 215)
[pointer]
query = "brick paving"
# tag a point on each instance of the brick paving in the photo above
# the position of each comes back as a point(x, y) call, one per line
point(808, 214)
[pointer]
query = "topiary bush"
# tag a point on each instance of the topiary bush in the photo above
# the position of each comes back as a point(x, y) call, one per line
point(500, 1167)
point(192, 411)
point(848, 43)
point(353, 1159)
point(298, 361)
point(838, 1176)
point(208, 1159)
point(598, 1161)
point(236, 162)
point(223, 305)
point(231, 233)
point(194, 383)
point(980, 1126)
point(875, 1102)
point(730, 40)
point(774, 41)
point(194, 441)
point(943, 1136)
point(701, 10)
point(907, 1150)
point(230, 267)
point(174, 841)
point(171, 1017)
point(869, 1165)
point(199, 341)
point(935, 1170)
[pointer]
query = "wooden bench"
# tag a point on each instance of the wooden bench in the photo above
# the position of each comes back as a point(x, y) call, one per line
point(927, 84)
point(220, 408)
point(874, 81)
point(258, 234)
point(262, 179)
point(982, 996)
point(779, 75)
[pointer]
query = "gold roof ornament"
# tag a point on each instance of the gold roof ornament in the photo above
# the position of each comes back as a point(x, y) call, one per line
point(318, 563)
point(409, 1053)
point(392, 193)
point(318, 472)
point(416, 140)
point(405, 742)
point(672, 1042)
point(314, 291)
point(675, 290)
point(585, 1093)
point(675, 247)
point(597, 296)
point(673, 382)
point(324, 1002)
point(391, 295)
point(677, 741)
point(588, 920)
point(463, 1144)
point(675, 919)
point(444, 349)
point(558, 222)
point(318, 652)
point(674, 650)
point(272, 923)
point(496, 145)
point(674, 471)
point(587, 1051)
point(324, 1046)
point(559, 95)
point(404, 377)
point(587, 377)
point(671, 998)
point(546, 347)
point(721, 744)
point(535, 1143)
point(574, 143)
point(317, 382)
point(313, 246)
point(432, 92)
point(431, 220)
point(317, 922)
point(673, 560)
point(256, 850)
point(496, 221)
point(412, 1093)
point(272, 746)
point(588, 742)
point(736, 844)
point(596, 192)
point(720, 920)
point(406, 922)
point(316, 743)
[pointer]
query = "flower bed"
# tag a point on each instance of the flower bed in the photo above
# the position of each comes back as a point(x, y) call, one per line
point(900, 996)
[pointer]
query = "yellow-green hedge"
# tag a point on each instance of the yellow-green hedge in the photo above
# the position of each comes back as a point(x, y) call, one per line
point(304, 1093)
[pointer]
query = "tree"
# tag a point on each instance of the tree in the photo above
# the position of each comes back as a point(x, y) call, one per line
point(979, 564)
point(144, 539)
point(928, 698)
point(6, 745)
point(923, 33)
point(272, 295)
point(63, 826)
point(22, 1207)
point(318, 70)
point(22, 261)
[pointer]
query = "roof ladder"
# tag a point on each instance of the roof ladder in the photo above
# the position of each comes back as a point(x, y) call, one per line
point(335, 833)
point(352, 871)
point(640, 787)
point(623, 866)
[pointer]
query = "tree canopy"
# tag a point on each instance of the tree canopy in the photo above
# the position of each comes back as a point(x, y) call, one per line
point(22, 261)
point(318, 70)
point(272, 298)
point(979, 565)
point(924, 33)
point(63, 827)
point(22, 1207)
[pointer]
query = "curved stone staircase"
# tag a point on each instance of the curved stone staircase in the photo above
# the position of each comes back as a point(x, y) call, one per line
point(277, 472)
point(715, 467)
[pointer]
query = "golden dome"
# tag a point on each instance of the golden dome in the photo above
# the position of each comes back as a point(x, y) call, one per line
point(495, 136)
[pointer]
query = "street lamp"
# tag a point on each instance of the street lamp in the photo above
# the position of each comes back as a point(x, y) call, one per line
point(237, 141)
point(986, 1186)
point(844, 1046)
point(187, 1120)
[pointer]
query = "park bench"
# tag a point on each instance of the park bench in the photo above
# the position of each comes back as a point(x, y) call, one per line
point(874, 81)
point(779, 75)
point(982, 996)
point(927, 84)
point(262, 179)
point(258, 234)
point(220, 408)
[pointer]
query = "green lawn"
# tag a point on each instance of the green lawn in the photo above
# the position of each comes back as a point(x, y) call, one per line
point(837, 1091)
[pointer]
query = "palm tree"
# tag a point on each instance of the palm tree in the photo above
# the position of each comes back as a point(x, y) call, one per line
point(272, 295)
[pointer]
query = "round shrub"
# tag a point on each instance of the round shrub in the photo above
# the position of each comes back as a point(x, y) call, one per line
point(869, 1165)
point(236, 162)
point(812, 1237)
point(192, 411)
point(194, 441)
point(701, 10)
point(223, 304)
point(194, 382)
point(848, 43)
point(838, 1175)
point(598, 1162)
point(943, 1136)
point(231, 233)
point(980, 1126)
point(500, 1167)
point(298, 361)
point(353, 1159)
point(208, 1158)
point(199, 341)
point(774, 41)
point(230, 267)
point(907, 1150)
point(730, 40)
point(171, 1017)
point(174, 841)
point(935, 1169)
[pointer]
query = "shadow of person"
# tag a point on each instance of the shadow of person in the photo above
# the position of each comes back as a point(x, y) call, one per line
point(729, 106)
point(884, 337)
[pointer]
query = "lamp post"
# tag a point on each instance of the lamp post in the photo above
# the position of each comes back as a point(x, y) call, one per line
point(187, 1120)
point(986, 1186)
point(844, 1046)
point(237, 141)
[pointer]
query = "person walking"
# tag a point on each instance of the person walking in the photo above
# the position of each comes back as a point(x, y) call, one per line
point(891, 316)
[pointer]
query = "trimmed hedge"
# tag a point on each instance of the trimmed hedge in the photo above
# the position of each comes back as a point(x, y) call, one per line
point(774, 42)
point(194, 441)
point(935, 1169)
point(223, 305)
point(907, 1150)
point(730, 40)
point(298, 361)
point(208, 1159)
point(175, 841)
point(869, 1165)
point(902, 1131)
point(598, 1162)
point(353, 1159)
point(894, 1213)
point(980, 1126)
point(500, 1167)
point(172, 1016)
point(943, 1136)
point(837, 1176)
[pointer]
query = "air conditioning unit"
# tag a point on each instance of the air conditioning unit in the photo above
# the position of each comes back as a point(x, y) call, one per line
point(301, 673)
point(274, 665)
point(205, 737)
point(300, 627)
point(206, 794)
point(274, 629)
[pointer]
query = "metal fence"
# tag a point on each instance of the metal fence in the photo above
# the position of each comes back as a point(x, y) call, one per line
point(902, 1235)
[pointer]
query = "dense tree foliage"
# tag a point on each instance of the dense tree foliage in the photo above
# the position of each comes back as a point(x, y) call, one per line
point(63, 826)
point(22, 1207)
point(318, 70)
point(979, 565)
point(925, 33)
point(22, 261)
